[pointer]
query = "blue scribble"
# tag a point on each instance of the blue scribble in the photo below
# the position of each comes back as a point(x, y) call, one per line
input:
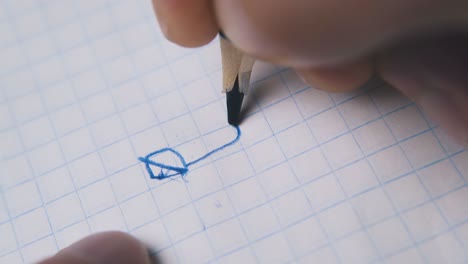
point(167, 171)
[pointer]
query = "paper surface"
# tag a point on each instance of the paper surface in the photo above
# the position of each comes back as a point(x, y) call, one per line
point(87, 87)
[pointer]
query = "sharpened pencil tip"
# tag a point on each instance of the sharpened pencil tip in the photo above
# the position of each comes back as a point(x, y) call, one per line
point(234, 100)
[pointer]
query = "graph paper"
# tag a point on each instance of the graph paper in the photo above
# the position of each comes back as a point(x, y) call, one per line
point(87, 87)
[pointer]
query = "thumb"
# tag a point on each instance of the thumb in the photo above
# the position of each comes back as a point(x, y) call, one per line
point(107, 247)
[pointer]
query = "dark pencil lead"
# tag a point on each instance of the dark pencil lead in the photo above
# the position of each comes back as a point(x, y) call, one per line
point(234, 100)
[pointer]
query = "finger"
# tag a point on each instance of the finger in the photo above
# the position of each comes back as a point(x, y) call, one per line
point(303, 33)
point(189, 23)
point(339, 78)
point(107, 247)
point(433, 73)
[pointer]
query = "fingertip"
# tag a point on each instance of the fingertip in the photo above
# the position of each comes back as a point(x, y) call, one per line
point(342, 78)
point(107, 247)
point(187, 23)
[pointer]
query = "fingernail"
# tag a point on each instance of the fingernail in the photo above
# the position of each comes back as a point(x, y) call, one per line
point(109, 247)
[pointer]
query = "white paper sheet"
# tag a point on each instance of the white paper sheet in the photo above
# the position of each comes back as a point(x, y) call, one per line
point(87, 87)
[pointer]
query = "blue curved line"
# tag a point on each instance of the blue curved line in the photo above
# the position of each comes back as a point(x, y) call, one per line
point(178, 170)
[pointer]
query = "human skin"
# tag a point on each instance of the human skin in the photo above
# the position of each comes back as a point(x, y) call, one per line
point(420, 47)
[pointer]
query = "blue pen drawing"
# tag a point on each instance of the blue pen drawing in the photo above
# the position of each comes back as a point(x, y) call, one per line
point(182, 167)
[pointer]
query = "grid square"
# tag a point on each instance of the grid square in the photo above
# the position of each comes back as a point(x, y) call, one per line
point(324, 255)
point(139, 210)
point(58, 95)
point(357, 177)
point(39, 249)
point(65, 211)
point(71, 234)
point(68, 36)
point(440, 178)
point(342, 151)
point(306, 236)
point(423, 149)
point(118, 156)
point(148, 140)
point(28, 25)
point(67, 119)
point(373, 137)
point(389, 163)
point(107, 220)
point(198, 93)
point(390, 236)
point(27, 107)
point(86, 170)
point(163, 77)
point(48, 71)
point(77, 143)
point(59, 13)
point(14, 257)
point(107, 47)
point(118, 70)
point(195, 249)
point(180, 130)
point(310, 165)
point(128, 94)
point(22, 198)
point(372, 206)
point(254, 129)
point(296, 140)
point(291, 207)
point(10, 143)
point(332, 220)
point(358, 111)
point(169, 106)
point(14, 56)
point(281, 254)
point(17, 165)
point(98, 24)
point(312, 102)
point(48, 183)
point(139, 35)
point(356, 249)
point(186, 69)
point(461, 233)
point(246, 195)
point(407, 192)
point(45, 158)
point(98, 106)
point(148, 58)
point(78, 59)
point(36, 132)
point(128, 183)
point(8, 241)
point(424, 221)
point(87, 84)
point(214, 208)
point(282, 115)
point(210, 117)
point(27, 233)
point(97, 197)
point(171, 195)
point(153, 235)
point(38, 48)
point(443, 249)
point(277, 180)
point(265, 154)
point(182, 223)
point(204, 180)
point(324, 192)
point(18, 83)
point(108, 131)
point(6, 119)
point(228, 175)
point(452, 206)
point(406, 122)
point(409, 256)
point(226, 237)
point(327, 125)
point(260, 222)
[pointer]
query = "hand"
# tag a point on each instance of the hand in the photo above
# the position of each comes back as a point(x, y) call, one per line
point(418, 46)
point(107, 247)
